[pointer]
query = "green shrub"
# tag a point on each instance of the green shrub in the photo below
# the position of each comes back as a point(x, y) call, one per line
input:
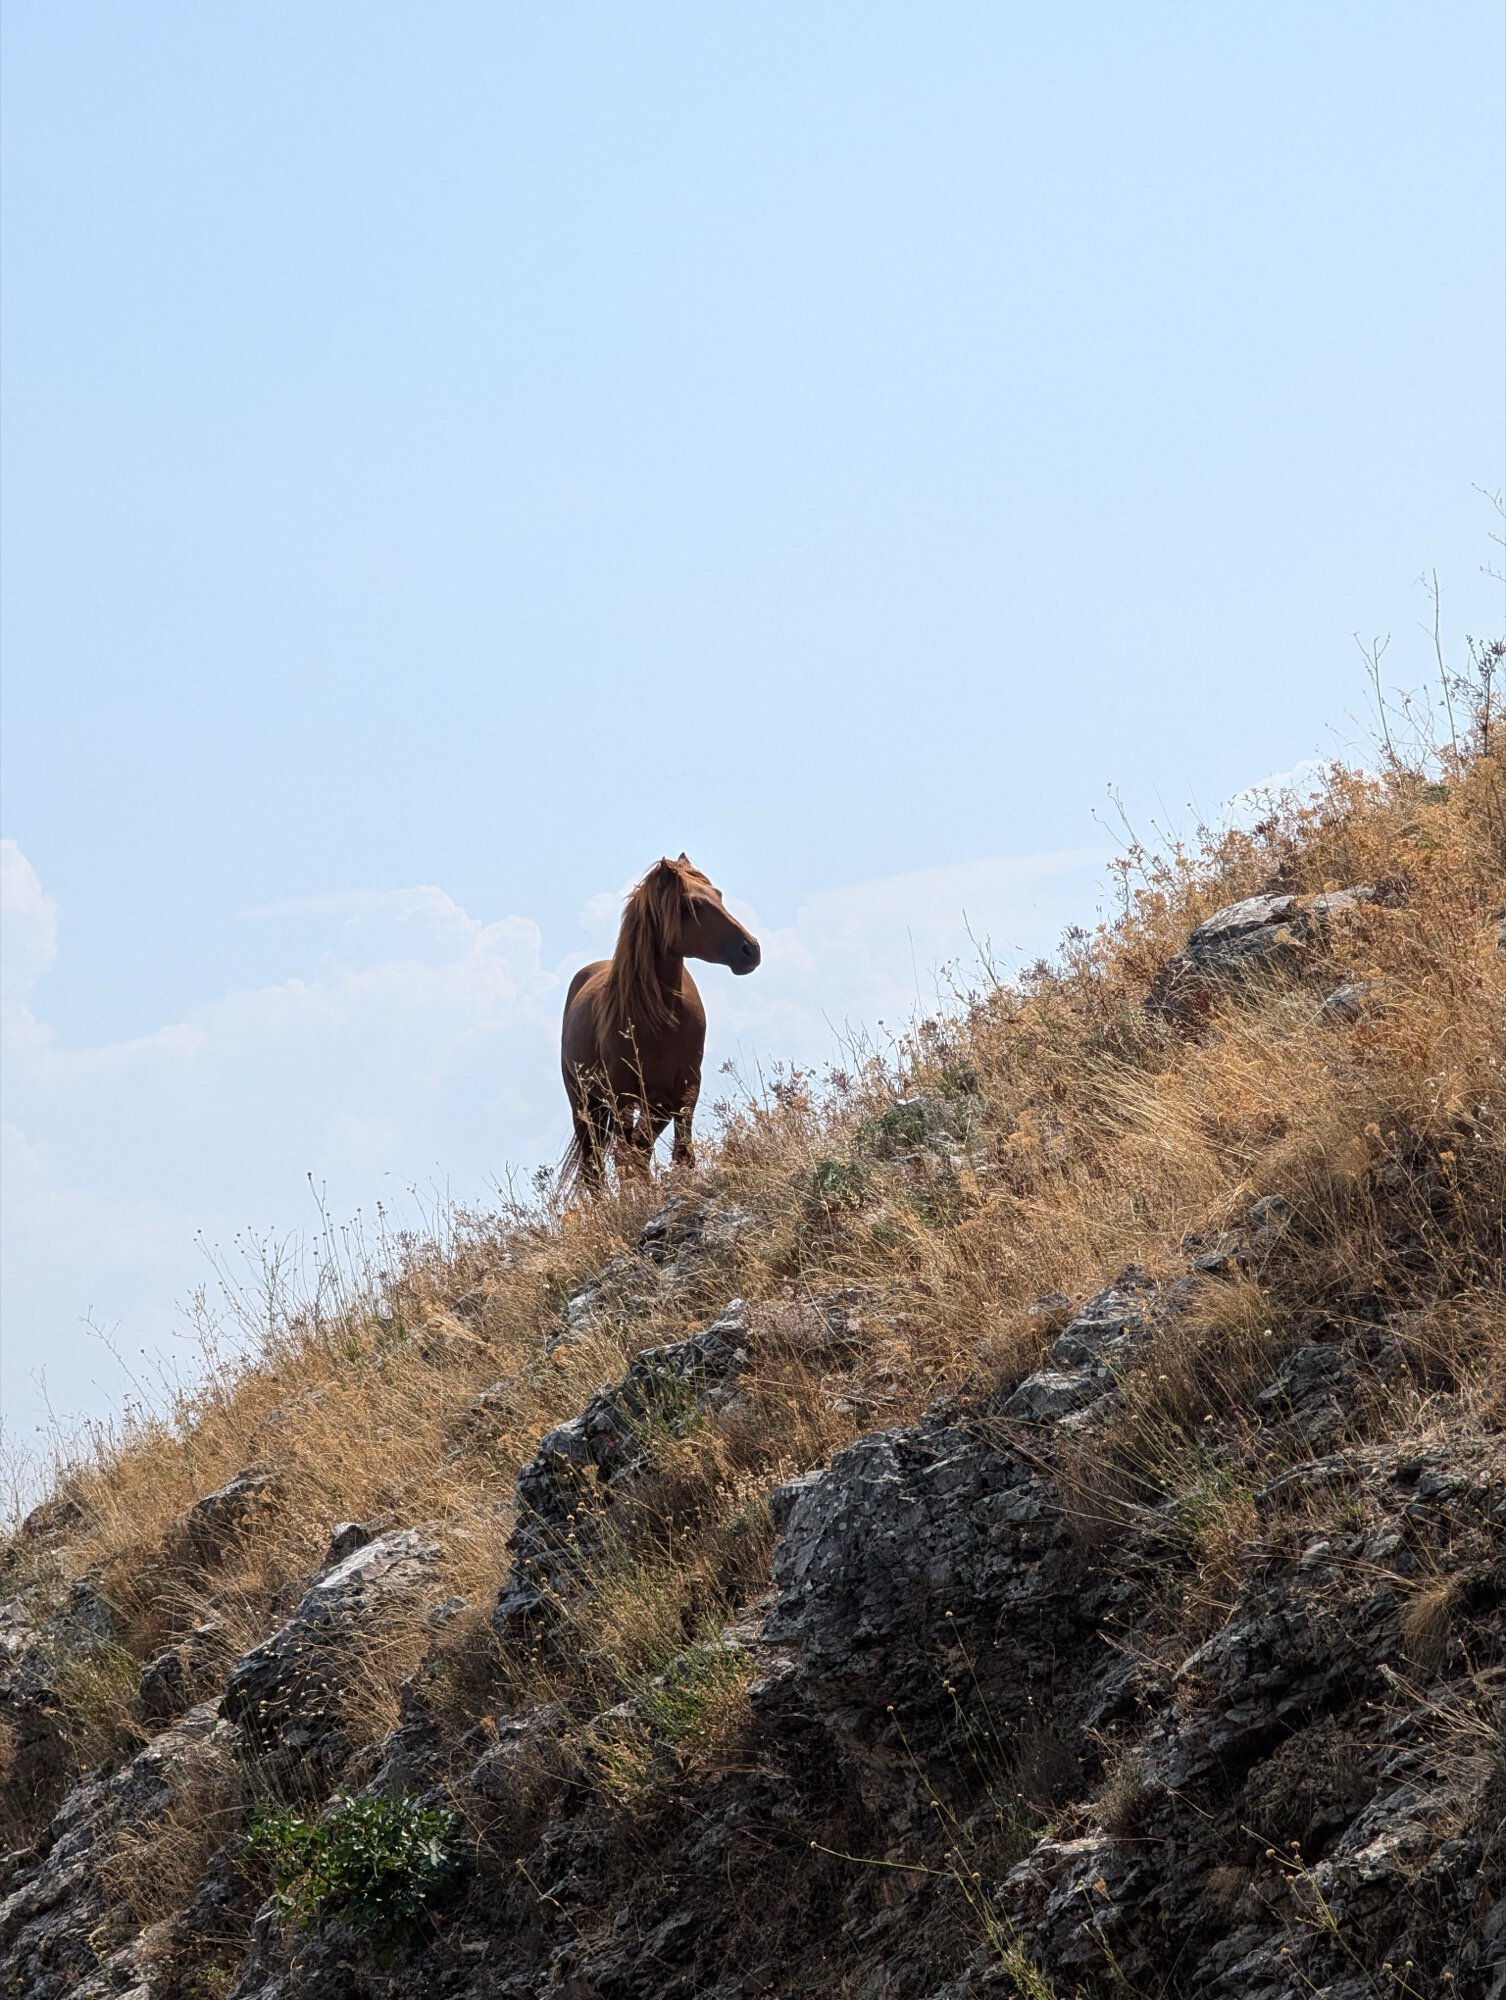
point(832, 1187)
point(384, 1866)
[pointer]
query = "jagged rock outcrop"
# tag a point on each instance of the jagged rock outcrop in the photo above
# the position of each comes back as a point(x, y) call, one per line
point(582, 1466)
point(1311, 1790)
point(184, 1673)
point(1251, 942)
point(42, 1643)
point(61, 1930)
point(1094, 1346)
point(679, 1241)
point(910, 1545)
point(231, 1511)
point(1314, 1794)
point(288, 1694)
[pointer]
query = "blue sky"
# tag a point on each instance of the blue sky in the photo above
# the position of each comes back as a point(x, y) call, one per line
point(454, 454)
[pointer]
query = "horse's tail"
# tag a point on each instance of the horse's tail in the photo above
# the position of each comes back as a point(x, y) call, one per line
point(582, 1165)
point(570, 1173)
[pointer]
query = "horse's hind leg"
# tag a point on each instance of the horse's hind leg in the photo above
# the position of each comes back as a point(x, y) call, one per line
point(592, 1120)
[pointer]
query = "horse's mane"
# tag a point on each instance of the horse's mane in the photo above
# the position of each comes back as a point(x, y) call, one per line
point(636, 1000)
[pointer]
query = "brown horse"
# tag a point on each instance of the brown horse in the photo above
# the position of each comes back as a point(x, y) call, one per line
point(635, 1029)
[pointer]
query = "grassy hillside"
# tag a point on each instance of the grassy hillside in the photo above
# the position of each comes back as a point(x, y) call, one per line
point(1307, 1169)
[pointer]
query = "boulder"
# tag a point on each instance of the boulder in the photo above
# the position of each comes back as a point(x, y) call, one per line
point(184, 1673)
point(1098, 1342)
point(680, 1241)
point(221, 1518)
point(828, 1328)
point(915, 1126)
point(40, 1645)
point(1243, 1248)
point(916, 1548)
point(1246, 945)
point(1346, 1004)
point(288, 1695)
point(348, 1536)
point(685, 1229)
point(55, 1932)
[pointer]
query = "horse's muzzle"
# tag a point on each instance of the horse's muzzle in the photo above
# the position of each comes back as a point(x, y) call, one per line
point(745, 956)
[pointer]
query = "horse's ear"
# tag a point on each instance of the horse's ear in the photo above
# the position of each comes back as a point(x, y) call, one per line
point(684, 857)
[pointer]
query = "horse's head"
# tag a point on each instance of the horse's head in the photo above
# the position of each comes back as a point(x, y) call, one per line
point(708, 928)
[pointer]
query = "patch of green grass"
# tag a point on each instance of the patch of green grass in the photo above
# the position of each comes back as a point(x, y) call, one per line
point(96, 1683)
point(676, 1714)
point(1209, 1490)
point(683, 1704)
point(673, 1411)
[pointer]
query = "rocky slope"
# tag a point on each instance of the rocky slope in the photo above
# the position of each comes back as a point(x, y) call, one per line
point(1162, 1652)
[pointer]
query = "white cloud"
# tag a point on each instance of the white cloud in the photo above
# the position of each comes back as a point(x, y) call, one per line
point(886, 949)
point(599, 917)
point(28, 942)
point(413, 1043)
point(391, 1056)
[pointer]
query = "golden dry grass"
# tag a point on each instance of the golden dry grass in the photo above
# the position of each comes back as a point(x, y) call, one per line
point(1096, 1135)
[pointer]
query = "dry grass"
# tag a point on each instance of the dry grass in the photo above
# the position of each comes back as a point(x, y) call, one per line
point(155, 1866)
point(1089, 1134)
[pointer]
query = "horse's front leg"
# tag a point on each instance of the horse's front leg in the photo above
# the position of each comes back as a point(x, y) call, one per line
point(683, 1154)
point(636, 1150)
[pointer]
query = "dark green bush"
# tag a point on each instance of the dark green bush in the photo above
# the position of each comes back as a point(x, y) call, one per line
point(384, 1866)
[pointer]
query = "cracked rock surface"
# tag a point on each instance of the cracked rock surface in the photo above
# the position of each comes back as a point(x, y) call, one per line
point(55, 1928)
point(287, 1695)
point(564, 1491)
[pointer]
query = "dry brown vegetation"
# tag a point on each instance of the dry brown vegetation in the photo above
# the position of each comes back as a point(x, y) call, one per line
point(1090, 1135)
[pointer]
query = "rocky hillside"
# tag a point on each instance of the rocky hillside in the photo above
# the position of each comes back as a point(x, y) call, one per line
point(1027, 1519)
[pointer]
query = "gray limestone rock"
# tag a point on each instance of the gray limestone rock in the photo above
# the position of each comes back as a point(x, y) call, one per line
point(1247, 944)
point(42, 1643)
point(1245, 1247)
point(348, 1536)
point(916, 1125)
point(582, 1464)
point(1346, 1004)
point(54, 1930)
point(684, 1239)
point(231, 1511)
point(1097, 1343)
point(184, 1673)
point(686, 1228)
point(914, 1550)
point(288, 1694)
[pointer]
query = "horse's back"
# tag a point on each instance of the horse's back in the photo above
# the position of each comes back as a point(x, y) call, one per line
point(586, 972)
